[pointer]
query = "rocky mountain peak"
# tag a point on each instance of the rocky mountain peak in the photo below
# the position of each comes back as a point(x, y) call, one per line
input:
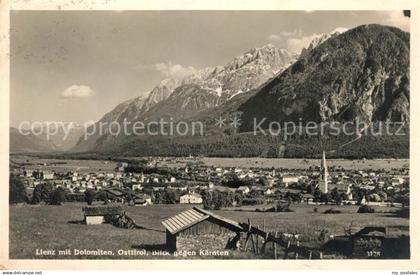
point(362, 73)
point(319, 39)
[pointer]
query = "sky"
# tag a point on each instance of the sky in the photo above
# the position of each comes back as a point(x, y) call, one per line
point(74, 66)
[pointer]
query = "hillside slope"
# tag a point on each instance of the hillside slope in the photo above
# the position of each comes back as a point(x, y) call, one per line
point(362, 73)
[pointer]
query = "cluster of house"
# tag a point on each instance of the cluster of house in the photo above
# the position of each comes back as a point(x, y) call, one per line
point(191, 179)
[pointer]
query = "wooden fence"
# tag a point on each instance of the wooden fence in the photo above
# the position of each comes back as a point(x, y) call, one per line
point(254, 233)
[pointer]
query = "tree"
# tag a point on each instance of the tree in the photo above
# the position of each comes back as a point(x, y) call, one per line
point(310, 189)
point(42, 193)
point(238, 198)
point(171, 196)
point(326, 198)
point(383, 195)
point(89, 196)
point(233, 182)
point(216, 200)
point(207, 199)
point(17, 192)
point(36, 196)
point(335, 196)
point(374, 197)
point(317, 194)
point(159, 198)
point(58, 196)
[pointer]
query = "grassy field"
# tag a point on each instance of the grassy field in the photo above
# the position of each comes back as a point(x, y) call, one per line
point(59, 227)
point(386, 164)
point(65, 165)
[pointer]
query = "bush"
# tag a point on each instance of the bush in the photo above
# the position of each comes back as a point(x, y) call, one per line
point(365, 209)
point(252, 201)
point(58, 196)
point(216, 200)
point(90, 196)
point(332, 211)
point(167, 196)
point(42, 193)
point(17, 192)
point(75, 197)
point(283, 207)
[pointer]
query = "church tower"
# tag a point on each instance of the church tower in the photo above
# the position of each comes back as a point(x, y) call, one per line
point(323, 180)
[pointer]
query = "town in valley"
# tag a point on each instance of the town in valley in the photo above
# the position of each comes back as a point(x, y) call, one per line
point(322, 188)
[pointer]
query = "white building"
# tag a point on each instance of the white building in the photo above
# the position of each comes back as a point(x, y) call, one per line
point(269, 192)
point(48, 175)
point(286, 180)
point(192, 198)
point(35, 183)
point(397, 181)
point(237, 170)
point(244, 189)
point(136, 187)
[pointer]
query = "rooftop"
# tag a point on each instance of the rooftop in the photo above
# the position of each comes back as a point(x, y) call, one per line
point(194, 216)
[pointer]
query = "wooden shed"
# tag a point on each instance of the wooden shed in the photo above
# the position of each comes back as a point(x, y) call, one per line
point(100, 214)
point(196, 229)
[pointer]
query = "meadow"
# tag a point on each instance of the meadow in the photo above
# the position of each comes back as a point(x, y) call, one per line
point(299, 163)
point(63, 165)
point(97, 165)
point(35, 227)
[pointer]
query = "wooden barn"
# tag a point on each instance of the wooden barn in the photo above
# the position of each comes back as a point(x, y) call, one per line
point(196, 229)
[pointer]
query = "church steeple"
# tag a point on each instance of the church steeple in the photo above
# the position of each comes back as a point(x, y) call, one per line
point(323, 181)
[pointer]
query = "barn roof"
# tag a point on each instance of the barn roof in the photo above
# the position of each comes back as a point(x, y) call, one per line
point(183, 220)
point(194, 216)
point(231, 224)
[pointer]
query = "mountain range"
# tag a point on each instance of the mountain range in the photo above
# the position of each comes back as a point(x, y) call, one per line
point(207, 89)
point(362, 73)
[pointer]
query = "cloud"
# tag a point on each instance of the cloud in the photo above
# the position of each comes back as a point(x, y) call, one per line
point(296, 44)
point(296, 40)
point(397, 19)
point(284, 35)
point(167, 69)
point(274, 37)
point(339, 30)
point(77, 91)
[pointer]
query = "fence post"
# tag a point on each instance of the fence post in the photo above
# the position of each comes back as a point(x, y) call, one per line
point(257, 242)
point(246, 241)
point(253, 244)
point(275, 247)
point(296, 253)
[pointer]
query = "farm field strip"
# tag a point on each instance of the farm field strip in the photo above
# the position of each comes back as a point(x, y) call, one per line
point(60, 227)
